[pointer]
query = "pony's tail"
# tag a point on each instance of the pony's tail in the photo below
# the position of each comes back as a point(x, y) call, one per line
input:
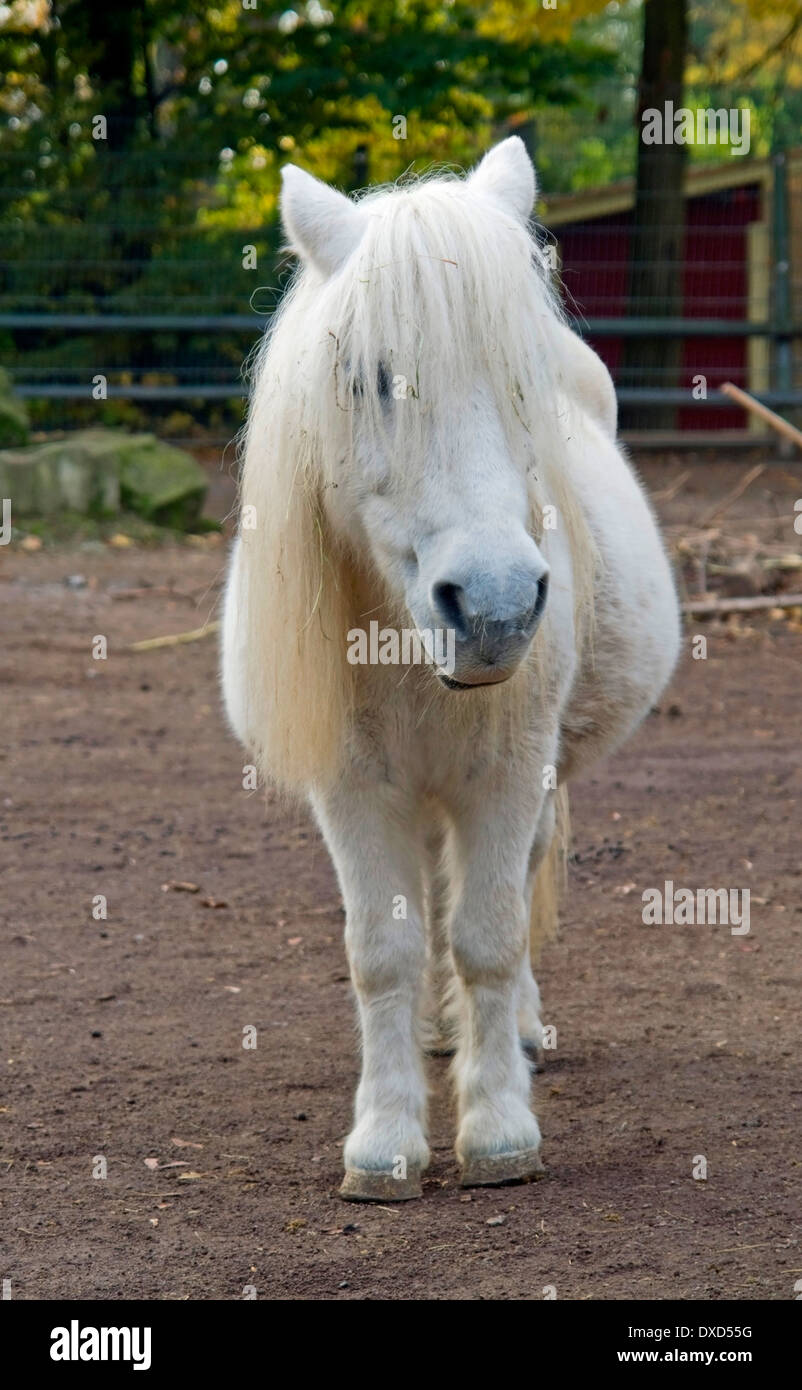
point(550, 880)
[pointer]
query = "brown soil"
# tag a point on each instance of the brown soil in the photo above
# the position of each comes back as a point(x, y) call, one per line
point(123, 1038)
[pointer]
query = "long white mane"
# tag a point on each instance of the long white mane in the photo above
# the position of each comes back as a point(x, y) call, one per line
point(445, 291)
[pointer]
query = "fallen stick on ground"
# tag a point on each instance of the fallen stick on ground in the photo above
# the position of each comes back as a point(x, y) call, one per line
point(742, 605)
point(174, 639)
point(669, 493)
point(155, 591)
point(733, 496)
point(781, 562)
point(770, 416)
point(142, 1192)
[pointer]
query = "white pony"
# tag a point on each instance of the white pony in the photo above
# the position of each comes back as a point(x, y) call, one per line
point(430, 446)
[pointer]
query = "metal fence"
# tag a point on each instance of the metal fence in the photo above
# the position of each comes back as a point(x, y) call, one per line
point(114, 322)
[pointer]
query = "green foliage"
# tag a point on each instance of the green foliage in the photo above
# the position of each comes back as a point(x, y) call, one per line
point(200, 111)
point(201, 107)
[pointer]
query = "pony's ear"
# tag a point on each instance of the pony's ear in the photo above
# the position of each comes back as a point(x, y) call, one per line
point(323, 225)
point(506, 173)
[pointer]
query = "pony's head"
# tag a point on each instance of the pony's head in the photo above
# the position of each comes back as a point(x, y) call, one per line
point(408, 423)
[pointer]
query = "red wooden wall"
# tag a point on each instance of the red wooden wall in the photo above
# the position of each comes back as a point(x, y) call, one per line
point(594, 264)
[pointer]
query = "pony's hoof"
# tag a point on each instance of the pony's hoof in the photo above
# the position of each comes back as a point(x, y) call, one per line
point(366, 1185)
point(497, 1170)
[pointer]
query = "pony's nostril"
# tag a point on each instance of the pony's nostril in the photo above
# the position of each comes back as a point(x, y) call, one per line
point(448, 602)
point(530, 620)
point(542, 595)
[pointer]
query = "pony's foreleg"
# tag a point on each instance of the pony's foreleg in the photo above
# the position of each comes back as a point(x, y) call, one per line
point(439, 1031)
point(498, 1137)
point(372, 839)
point(530, 1027)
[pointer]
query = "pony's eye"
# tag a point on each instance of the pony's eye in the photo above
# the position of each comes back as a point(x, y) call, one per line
point(384, 383)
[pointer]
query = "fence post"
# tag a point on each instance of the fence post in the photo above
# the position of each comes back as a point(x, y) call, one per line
point(360, 167)
point(781, 257)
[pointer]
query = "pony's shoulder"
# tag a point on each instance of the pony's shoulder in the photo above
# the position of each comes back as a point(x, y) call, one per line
point(587, 380)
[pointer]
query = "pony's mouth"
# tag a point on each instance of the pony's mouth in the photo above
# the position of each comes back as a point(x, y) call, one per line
point(451, 684)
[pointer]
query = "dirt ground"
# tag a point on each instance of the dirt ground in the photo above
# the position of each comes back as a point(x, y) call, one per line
point(122, 1038)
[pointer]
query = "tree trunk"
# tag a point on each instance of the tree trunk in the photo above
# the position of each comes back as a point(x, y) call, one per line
point(112, 37)
point(658, 231)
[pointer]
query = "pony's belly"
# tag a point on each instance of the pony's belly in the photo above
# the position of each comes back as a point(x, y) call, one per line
point(636, 634)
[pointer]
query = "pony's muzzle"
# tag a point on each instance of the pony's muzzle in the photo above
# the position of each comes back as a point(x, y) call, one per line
point(492, 628)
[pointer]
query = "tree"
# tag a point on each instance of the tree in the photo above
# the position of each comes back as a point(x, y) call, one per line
point(658, 230)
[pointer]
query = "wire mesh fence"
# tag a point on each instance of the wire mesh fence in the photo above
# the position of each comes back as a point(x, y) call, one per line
point(129, 315)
